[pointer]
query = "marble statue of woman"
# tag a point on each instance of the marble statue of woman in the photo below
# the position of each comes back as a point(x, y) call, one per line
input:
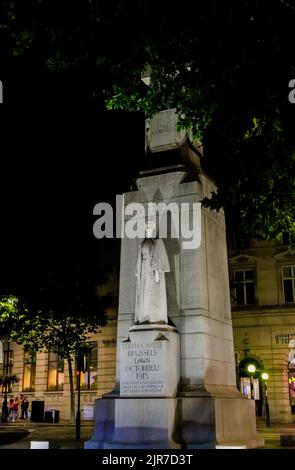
point(152, 264)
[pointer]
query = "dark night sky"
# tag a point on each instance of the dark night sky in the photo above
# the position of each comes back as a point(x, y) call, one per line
point(56, 163)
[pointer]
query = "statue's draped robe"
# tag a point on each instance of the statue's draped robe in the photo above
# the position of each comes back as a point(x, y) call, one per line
point(151, 299)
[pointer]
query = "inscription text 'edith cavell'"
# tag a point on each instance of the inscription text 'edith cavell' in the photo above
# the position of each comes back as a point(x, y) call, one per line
point(142, 369)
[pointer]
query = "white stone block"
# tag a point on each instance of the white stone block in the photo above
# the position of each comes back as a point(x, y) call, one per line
point(230, 447)
point(39, 445)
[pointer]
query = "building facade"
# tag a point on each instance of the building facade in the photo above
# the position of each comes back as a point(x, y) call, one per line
point(44, 376)
point(262, 279)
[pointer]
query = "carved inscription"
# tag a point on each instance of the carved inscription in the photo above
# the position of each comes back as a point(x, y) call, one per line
point(142, 368)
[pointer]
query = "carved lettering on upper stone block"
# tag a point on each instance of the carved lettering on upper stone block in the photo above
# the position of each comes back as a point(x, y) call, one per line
point(161, 131)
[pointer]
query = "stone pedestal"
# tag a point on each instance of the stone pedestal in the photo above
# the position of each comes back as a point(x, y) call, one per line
point(133, 423)
point(143, 416)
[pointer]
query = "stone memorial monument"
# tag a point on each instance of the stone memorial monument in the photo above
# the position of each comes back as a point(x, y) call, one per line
point(176, 383)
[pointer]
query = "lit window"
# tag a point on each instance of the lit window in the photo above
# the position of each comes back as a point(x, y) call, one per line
point(244, 293)
point(55, 372)
point(89, 376)
point(29, 371)
point(288, 276)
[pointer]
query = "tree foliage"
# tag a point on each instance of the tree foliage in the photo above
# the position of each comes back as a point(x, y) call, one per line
point(225, 65)
point(7, 380)
point(10, 309)
point(59, 316)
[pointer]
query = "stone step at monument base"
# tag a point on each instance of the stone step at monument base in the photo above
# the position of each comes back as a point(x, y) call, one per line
point(171, 423)
point(133, 423)
point(153, 446)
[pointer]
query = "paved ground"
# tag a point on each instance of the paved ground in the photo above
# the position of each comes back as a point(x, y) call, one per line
point(62, 435)
point(273, 433)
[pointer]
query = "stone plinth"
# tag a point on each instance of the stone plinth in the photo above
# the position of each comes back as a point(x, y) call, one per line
point(143, 415)
point(131, 423)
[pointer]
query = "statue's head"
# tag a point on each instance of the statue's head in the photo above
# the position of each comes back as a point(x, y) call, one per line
point(150, 229)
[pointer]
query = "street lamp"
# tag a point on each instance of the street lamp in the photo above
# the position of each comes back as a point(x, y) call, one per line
point(265, 378)
point(81, 358)
point(4, 404)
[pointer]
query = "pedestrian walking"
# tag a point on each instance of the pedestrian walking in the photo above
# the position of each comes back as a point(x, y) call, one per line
point(16, 407)
point(11, 409)
point(24, 408)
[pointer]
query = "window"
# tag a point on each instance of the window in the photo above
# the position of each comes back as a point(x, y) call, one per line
point(89, 377)
point(55, 372)
point(288, 277)
point(29, 371)
point(7, 366)
point(244, 287)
